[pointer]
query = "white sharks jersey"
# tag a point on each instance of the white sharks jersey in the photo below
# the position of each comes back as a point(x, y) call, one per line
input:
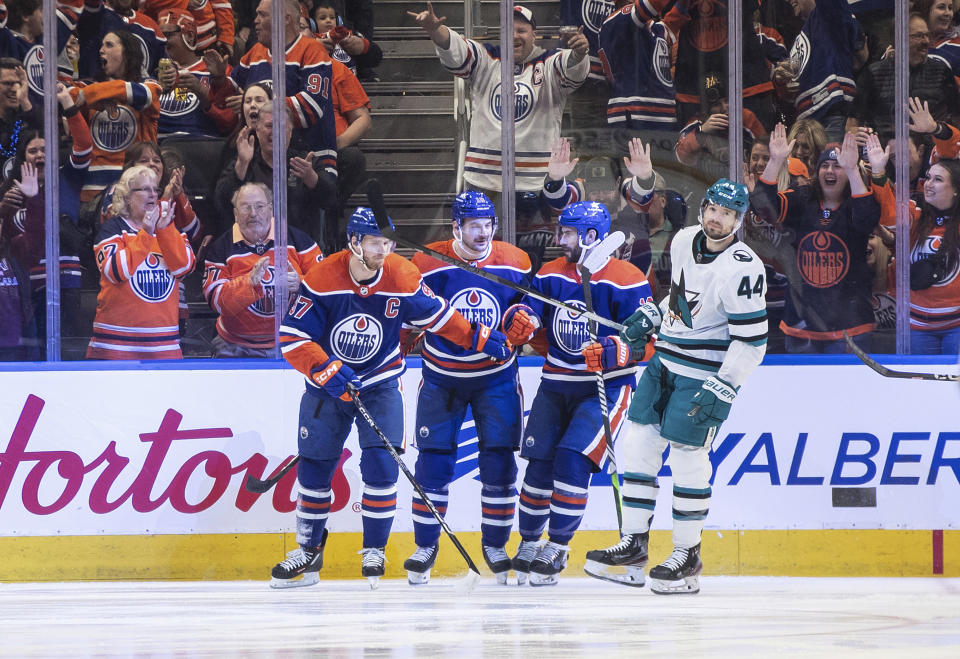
point(541, 83)
point(715, 318)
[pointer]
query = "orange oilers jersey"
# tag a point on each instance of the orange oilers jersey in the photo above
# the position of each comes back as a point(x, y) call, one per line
point(119, 113)
point(246, 311)
point(137, 308)
point(478, 300)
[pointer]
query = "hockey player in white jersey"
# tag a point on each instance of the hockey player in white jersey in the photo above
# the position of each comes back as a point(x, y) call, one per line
point(713, 334)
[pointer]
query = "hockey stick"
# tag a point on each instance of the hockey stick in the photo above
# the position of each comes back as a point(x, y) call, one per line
point(375, 199)
point(890, 373)
point(258, 486)
point(593, 262)
point(474, 575)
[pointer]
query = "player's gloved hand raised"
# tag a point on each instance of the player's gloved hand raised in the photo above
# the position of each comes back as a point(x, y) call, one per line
point(334, 376)
point(711, 405)
point(491, 342)
point(520, 324)
point(606, 353)
point(642, 323)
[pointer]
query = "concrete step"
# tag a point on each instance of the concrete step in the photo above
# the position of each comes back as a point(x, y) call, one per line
point(393, 13)
point(404, 124)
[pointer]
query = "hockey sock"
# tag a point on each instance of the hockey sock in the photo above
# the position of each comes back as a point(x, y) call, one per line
point(690, 508)
point(639, 493)
point(497, 506)
point(498, 498)
point(571, 477)
point(379, 502)
point(313, 499)
point(535, 499)
point(433, 471)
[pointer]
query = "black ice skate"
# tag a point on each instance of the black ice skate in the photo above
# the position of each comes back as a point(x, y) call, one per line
point(372, 565)
point(498, 562)
point(546, 567)
point(679, 574)
point(300, 568)
point(622, 563)
point(526, 552)
point(419, 564)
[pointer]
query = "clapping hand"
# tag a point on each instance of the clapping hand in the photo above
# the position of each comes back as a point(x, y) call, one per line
point(877, 156)
point(303, 169)
point(260, 267)
point(560, 166)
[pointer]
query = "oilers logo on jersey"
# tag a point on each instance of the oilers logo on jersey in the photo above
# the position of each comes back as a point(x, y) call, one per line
point(114, 129)
point(571, 329)
point(477, 306)
point(661, 61)
point(594, 13)
point(264, 307)
point(178, 102)
point(356, 338)
point(33, 65)
point(800, 52)
point(523, 96)
point(823, 259)
point(152, 282)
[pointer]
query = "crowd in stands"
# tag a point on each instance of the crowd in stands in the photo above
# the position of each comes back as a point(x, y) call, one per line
point(166, 155)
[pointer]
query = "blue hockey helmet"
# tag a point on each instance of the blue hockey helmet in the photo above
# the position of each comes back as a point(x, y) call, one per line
point(471, 204)
point(586, 215)
point(364, 223)
point(728, 194)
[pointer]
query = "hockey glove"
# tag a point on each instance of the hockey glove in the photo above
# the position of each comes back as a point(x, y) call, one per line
point(606, 353)
point(491, 342)
point(711, 405)
point(644, 322)
point(520, 323)
point(334, 376)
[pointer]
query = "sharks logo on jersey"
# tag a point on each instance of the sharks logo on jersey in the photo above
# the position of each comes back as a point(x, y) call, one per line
point(477, 306)
point(152, 282)
point(683, 303)
point(571, 329)
point(356, 338)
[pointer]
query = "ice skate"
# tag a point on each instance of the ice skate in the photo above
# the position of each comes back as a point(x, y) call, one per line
point(622, 563)
point(372, 565)
point(527, 550)
point(546, 567)
point(300, 568)
point(679, 574)
point(498, 562)
point(419, 564)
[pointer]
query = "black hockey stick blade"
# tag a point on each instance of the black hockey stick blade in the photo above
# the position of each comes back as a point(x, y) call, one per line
point(258, 486)
point(890, 373)
point(375, 199)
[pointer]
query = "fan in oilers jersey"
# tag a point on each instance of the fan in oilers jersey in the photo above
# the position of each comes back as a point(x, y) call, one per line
point(713, 335)
point(564, 438)
point(343, 333)
point(455, 378)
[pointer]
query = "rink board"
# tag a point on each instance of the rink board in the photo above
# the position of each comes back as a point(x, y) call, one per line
point(137, 473)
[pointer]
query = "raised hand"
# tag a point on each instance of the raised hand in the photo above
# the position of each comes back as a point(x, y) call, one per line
point(877, 156)
point(921, 121)
point(427, 19)
point(175, 185)
point(561, 166)
point(577, 42)
point(639, 163)
point(167, 211)
point(245, 141)
point(63, 96)
point(849, 155)
point(780, 148)
point(260, 267)
point(216, 65)
point(28, 183)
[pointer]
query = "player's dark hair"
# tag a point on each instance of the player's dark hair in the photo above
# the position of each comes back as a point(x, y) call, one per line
point(19, 11)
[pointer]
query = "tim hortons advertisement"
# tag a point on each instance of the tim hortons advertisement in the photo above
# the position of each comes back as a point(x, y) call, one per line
point(168, 451)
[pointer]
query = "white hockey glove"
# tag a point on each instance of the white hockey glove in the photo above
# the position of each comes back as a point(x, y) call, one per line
point(711, 405)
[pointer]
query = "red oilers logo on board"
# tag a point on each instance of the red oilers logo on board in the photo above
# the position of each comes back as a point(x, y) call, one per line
point(356, 338)
point(823, 259)
point(477, 306)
